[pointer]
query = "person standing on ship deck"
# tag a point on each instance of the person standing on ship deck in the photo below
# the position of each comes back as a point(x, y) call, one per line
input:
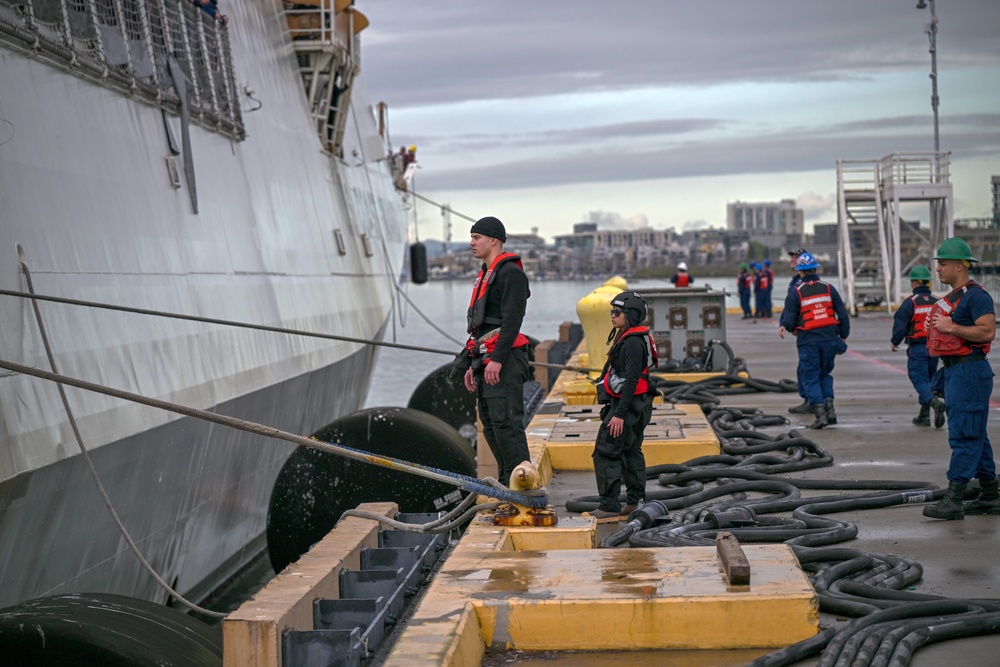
point(743, 283)
point(960, 328)
point(793, 259)
point(909, 322)
point(816, 316)
point(498, 349)
point(625, 390)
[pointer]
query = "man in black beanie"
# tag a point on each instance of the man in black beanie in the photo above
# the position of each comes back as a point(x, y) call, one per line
point(499, 351)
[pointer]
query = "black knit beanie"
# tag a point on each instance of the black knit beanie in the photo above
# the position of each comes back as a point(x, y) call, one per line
point(490, 226)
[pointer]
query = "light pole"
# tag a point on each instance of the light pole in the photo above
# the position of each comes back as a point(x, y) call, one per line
point(931, 31)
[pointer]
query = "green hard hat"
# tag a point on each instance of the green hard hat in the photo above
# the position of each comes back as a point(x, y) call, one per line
point(743, 265)
point(955, 248)
point(920, 273)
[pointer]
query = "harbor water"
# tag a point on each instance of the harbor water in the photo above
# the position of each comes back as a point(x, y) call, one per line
point(444, 303)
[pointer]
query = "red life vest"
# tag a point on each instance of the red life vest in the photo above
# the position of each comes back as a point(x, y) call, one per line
point(922, 304)
point(743, 281)
point(765, 280)
point(477, 308)
point(642, 386)
point(941, 344)
point(816, 306)
point(683, 279)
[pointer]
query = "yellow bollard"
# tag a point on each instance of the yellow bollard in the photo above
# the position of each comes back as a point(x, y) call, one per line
point(593, 311)
point(618, 283)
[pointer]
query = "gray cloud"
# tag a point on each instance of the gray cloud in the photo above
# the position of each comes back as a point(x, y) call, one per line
point(449, 50)
point(803, 150)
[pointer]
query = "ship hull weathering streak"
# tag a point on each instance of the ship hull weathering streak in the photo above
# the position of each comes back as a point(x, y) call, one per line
point(131, 177)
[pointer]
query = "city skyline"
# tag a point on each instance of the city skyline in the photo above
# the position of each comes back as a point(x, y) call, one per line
point(549, 114)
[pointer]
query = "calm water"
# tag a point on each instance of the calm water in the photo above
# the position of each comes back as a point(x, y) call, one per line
point(398, 372)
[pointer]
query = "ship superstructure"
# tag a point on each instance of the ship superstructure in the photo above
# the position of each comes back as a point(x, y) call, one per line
point(153, 157)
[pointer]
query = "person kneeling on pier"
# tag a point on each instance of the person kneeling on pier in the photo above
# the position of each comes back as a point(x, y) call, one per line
point(816, 316)
point(625, 389)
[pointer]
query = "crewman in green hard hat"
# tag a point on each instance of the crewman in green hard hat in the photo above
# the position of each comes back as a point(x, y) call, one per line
point(909, 322)
point(960, 328)
point(743, 283)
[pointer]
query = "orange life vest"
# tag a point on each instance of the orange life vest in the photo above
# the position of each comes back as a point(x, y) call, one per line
point(477, 308)
point(816, 306)
point(683, 279)
point(941, 344)
point(922, 304)
point(642, 386)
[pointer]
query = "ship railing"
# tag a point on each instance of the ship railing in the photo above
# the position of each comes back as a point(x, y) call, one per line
point(915, 168)
point(126, 45)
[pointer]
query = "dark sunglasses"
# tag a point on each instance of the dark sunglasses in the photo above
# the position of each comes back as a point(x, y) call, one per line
point(615, 312)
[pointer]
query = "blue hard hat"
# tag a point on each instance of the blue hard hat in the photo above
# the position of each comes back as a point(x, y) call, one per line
point(758, 266)
point(767, 262)
point(806, 262)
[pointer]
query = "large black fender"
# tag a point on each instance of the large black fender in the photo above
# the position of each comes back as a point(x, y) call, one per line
point(314, 488)
point(443, 394)
point(107, 630)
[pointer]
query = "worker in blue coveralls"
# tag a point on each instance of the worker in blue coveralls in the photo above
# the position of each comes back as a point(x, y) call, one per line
point(960, 328)
point(909, 322)
point(793, 258)
point(743, 283)
point(815, 314)
point(760, 287)
point(769, 309)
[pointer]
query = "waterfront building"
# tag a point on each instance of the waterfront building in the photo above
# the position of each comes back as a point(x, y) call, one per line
point(767, 218)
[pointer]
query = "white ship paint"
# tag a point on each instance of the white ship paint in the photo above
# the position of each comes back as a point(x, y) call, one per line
point(85, 192)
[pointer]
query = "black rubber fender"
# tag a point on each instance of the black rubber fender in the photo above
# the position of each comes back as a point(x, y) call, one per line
point(314, 488)
point(443, 394)
point(107, 630)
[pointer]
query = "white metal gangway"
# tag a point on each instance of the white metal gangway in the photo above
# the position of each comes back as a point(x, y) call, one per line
point(869, 195)
point(324, 34)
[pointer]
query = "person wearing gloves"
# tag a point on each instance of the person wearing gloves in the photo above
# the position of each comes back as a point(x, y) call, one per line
point(625, 389)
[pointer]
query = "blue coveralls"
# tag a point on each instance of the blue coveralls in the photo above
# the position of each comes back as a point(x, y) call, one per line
point(743, 284)
point(967, 389)
point(760, 309)
point(920, 366)
point(817, 348)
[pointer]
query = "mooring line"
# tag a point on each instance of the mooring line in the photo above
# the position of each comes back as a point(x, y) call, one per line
point(257, 327)
point(464, 482)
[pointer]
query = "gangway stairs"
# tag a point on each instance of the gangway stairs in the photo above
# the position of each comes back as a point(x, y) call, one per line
point(869, 196)
point(324, 35)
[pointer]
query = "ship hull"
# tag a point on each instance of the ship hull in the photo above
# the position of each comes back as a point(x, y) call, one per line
point(274, 230)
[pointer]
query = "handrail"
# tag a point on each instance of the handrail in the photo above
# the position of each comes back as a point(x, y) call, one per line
point(126, 44)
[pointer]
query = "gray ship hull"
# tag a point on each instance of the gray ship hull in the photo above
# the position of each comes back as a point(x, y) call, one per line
point(284, 234)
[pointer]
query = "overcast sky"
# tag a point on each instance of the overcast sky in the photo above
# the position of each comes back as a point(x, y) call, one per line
point(660, 112)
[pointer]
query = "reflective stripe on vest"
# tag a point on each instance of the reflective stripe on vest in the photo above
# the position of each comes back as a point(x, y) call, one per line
point(941, 344)
point(612, 382)
point(922, 304)
point(816, 306)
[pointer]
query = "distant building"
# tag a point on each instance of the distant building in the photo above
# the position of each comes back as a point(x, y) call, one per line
point(766, 218)
point(995, 182)
point(588, 249)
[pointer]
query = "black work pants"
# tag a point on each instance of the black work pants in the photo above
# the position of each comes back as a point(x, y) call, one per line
point(621, 458)
point(501, 410)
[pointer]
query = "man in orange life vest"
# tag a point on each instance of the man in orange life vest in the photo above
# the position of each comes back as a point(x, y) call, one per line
point(960, 328)
point(625, 389)
point(909, 323)
point(496, 310)
point(682, 278)
point(815, 314)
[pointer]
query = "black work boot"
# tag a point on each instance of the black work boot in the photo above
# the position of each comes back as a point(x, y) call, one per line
point(803, 409)
point(821, 421)
point(924, 418)
point(950, 506)
point(988, 501)
point(938, 406)
point(831, 414)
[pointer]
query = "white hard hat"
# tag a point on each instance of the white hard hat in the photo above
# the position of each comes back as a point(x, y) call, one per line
point(682, 266)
